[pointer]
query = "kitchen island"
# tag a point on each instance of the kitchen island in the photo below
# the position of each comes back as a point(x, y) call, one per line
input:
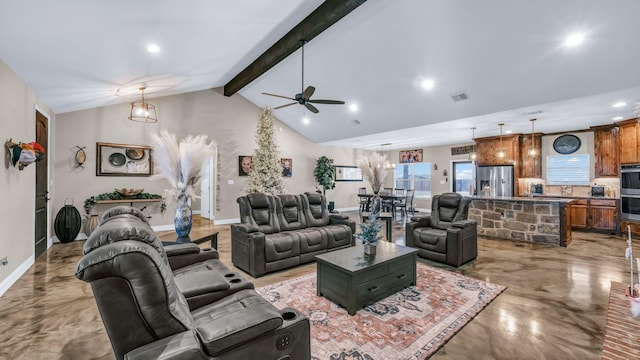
point(530, 219)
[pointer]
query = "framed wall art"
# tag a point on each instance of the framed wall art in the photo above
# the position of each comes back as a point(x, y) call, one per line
point(123, 160)
point(348, 173)
point(245, 164)
point(410, 156)
point(287, 166)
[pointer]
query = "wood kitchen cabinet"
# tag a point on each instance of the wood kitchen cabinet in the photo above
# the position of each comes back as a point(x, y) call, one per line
point(531, 166)
point(607, 150)
point(599, 215)
point(487, 149)
point(628, 140)
point(579, 214)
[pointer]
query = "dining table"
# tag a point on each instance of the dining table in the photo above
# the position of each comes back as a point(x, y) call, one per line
point(383, 195)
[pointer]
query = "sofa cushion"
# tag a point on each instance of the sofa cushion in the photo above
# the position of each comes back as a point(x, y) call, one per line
point(290, 212)
point(338, 235)
point(281, 245)
point(431, 239)
point(312, 240)
point(235, 320)
point(194, 283)
point(315, 209)
point(123, 227)
point(261, 212)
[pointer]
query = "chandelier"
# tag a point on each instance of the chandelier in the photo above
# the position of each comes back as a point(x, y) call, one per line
point(142, 111)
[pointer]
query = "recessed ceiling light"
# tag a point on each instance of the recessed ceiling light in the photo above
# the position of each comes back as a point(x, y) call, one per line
point(306, 121)
point(153, 48)
point(620, 104)
point(353, 107)
point(427, 84)
point(617, 118)
point(574, 39)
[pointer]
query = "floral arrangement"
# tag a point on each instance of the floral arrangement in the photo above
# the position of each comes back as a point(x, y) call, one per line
point(373, 170)
point(370, 230)
point(90, 202)
point(180, 163)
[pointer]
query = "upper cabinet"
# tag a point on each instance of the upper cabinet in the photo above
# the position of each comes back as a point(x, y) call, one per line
point(531, 165)
point(606, 149)
point(487, 150)
point(629, 145)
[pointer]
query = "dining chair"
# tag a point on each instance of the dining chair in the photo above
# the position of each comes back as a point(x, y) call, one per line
point(387, 204)
point(407, 204)
point(398, 198)
point(364, 201)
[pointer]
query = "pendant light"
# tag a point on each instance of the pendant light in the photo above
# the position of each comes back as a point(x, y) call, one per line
point(473, 156)
point(387, 163)
point(142, 111)
point(501, 153)
point(533, 151)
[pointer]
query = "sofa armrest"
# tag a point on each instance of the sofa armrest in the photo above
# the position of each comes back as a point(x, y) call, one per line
point(464, 223)
point(184, 345)
point(248, 250)
point(181, 260)
point(245, 228)
point(343, 219)
point(421, 221)
point(181, 249)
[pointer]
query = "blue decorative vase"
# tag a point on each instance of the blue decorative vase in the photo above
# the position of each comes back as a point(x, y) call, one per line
point(183, 219)
point(376, 203)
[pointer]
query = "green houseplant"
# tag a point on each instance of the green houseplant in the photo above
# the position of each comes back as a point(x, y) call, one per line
point(325, 173)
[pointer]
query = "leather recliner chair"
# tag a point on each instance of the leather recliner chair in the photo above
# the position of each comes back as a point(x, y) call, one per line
point(199, 274)
point(446, 236)
point(147, 317)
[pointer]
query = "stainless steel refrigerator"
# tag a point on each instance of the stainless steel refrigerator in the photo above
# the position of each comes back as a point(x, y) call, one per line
point(495, 180)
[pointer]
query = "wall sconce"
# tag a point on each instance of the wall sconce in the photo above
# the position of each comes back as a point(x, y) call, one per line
point(435, 166)
point(445, 173)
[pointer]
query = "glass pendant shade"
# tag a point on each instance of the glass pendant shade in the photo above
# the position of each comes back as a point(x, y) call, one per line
point(501, 154)
point(473, 155)
point(142, 111)
point(532, 150)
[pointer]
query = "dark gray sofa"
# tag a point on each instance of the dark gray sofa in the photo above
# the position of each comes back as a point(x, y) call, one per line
point(278, 232)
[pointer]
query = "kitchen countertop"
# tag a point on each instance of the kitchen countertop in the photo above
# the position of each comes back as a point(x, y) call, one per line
point(525, 198)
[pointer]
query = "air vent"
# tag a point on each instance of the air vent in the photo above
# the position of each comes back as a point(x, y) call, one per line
point(460, 96)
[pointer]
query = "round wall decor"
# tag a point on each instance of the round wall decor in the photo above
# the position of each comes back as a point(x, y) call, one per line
point(566, 144)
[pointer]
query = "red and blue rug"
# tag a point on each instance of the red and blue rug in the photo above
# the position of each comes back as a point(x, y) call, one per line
point(412, 324)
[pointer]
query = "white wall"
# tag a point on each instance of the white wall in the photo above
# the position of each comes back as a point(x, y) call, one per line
point(230, 121)
point(17, 188)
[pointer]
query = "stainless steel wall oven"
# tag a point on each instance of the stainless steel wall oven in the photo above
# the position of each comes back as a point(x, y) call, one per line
point(630, 192)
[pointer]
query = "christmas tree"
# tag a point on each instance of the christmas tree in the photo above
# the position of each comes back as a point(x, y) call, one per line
point(265, 175)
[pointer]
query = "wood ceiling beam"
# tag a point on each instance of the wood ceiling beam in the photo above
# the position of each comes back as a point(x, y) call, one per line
point(327, 14)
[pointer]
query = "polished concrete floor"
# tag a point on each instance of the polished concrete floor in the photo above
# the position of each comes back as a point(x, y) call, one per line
point(554, 306)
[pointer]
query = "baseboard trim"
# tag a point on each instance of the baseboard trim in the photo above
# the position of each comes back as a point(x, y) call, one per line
point(226, 221)
point(15, 275)
point(348, 209)
point(163, 227)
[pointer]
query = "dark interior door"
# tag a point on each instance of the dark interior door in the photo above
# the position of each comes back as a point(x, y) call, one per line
point(41, 186)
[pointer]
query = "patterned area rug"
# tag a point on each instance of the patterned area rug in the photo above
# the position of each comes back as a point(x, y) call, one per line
point(412, 324)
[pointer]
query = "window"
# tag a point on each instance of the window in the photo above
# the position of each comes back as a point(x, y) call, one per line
point(414, 176)
point(568, 169)
point(462, 177)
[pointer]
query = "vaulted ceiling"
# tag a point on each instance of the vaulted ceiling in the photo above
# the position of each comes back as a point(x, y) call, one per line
point(508, 57)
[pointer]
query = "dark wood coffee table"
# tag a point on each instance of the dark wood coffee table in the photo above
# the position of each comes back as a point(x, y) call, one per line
point(353, 280)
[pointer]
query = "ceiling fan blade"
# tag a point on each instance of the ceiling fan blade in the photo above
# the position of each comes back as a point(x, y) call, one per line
point(334, 102)
point(311, 108)
point(280, 96)
point(285, 105)
point(308, 92)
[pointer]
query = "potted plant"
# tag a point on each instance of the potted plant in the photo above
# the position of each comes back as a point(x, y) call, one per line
point(325, 173)
point(370, 234)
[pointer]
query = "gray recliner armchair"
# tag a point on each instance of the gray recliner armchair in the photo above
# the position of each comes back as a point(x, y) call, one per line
point(446, 236)
point(147, 317)
point(199, 274)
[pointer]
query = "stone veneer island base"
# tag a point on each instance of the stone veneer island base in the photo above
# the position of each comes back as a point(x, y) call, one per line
point(534, 220)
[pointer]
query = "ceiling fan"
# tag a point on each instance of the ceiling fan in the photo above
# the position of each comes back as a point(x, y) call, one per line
point(303, 98)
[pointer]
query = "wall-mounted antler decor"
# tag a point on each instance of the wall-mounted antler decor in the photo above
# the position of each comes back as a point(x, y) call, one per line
point(23, 154)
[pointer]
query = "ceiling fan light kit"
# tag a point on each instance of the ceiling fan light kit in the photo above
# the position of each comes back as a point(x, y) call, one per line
point(304, 96)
